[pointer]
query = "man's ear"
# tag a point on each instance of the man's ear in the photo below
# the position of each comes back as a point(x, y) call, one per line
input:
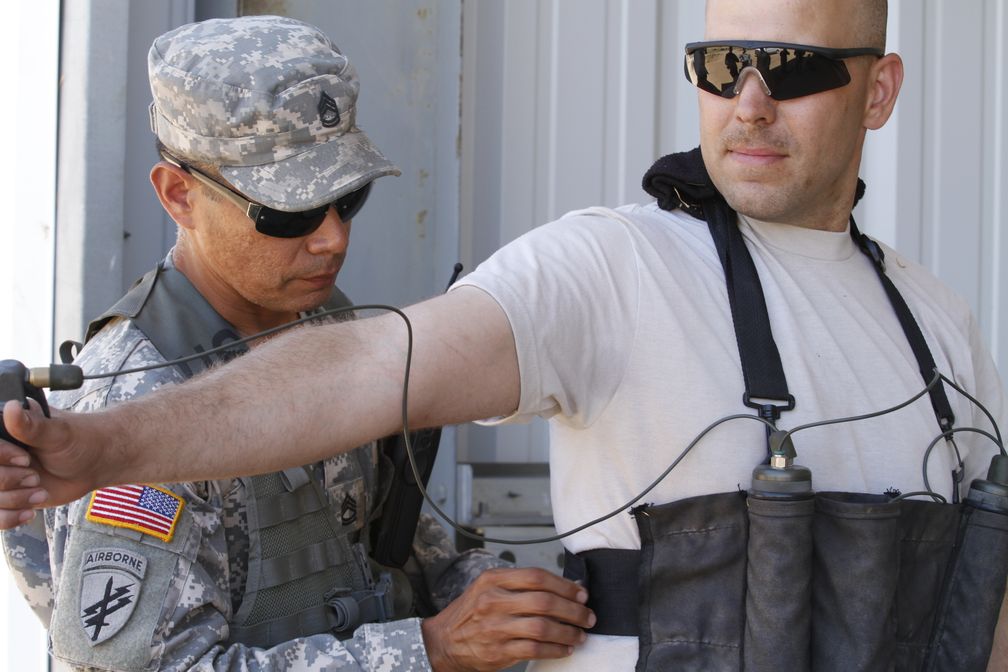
point(884, 81)
point(175, 188)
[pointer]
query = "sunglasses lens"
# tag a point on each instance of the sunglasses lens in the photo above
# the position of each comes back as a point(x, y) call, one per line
point(348, 205)
point(280, 224)
point(789, 73)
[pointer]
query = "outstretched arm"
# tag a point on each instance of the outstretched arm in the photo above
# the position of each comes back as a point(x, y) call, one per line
point(288, 402)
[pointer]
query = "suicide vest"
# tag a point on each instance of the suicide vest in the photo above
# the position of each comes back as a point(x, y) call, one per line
point(783, 578)
point(305, 576)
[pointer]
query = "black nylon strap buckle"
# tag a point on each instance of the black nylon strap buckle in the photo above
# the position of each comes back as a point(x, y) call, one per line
point(769, 412)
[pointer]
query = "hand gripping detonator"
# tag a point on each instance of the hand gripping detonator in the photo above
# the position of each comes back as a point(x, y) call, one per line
point(21, 383)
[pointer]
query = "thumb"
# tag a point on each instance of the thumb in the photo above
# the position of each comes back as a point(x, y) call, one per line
point(21, 422)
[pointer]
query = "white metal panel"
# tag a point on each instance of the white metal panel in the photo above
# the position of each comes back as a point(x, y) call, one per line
point(678, 117)
point(952, 143)
point(994, 306)
point(993, 302)
point(92, 145)
point(30, 51)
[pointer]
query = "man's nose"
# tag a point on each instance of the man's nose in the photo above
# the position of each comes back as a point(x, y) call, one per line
point(753, 103)
point(332, 236)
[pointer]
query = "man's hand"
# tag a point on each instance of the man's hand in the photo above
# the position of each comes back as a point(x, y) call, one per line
point(18, 486)
point(54, 472)
point(507, 616)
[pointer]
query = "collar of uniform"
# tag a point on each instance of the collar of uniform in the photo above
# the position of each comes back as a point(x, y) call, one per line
point(811, 243)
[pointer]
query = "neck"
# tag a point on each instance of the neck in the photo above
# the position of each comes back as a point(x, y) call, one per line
point(246, 317)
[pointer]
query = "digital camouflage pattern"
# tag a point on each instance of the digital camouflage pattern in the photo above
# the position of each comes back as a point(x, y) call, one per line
point(189, 611)
point(281, 125)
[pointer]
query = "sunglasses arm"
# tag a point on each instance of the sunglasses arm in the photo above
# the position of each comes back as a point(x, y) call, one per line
point(251, 209)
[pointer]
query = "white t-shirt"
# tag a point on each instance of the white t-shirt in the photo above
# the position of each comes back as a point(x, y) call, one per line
point(625, 342)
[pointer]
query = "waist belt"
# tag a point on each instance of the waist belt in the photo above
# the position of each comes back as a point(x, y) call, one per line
point(610, 575)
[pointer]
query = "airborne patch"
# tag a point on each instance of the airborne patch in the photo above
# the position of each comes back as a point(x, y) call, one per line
point(110, 586)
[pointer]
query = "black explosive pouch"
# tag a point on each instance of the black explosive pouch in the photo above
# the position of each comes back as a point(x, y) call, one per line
point(784, 578)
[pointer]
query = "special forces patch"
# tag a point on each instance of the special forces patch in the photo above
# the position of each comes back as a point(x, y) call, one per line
point(110, 585)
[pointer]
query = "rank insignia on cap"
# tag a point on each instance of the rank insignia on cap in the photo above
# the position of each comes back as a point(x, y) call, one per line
point(328, 111)
point(144, 508)
point(110, 585)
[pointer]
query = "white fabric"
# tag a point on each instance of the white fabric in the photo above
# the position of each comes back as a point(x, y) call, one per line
point(625, 341)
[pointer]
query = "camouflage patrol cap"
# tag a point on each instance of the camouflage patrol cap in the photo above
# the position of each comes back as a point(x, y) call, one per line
point(268, 99)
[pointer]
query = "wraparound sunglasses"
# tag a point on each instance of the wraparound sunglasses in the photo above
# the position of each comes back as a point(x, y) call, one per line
point(788, 70)
point(280, 223)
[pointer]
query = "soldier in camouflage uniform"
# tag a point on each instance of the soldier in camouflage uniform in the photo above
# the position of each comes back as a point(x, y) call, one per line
point(264, 106)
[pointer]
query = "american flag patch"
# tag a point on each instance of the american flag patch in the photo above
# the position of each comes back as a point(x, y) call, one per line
point(144, 508)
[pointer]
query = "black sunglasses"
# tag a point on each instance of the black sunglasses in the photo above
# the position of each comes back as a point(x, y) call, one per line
point(787, 70)
point(280, 223)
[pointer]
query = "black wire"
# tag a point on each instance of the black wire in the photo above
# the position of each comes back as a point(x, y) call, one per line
point(464, 532)
point(556, 537)
point(867, 416)
point(921, 493)
point(975, 402)
point(242, 341)
point(948, 435)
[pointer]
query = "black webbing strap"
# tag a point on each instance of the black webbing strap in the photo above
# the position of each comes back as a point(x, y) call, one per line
point(610, 575)
point(762, 370)
point(925, 361)
point(682, 181)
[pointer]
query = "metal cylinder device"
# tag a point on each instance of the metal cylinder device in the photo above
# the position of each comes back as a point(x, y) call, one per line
point(975, 583)
point(778, 603)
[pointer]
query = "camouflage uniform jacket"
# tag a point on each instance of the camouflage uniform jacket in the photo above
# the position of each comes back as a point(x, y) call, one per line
point(183, 610)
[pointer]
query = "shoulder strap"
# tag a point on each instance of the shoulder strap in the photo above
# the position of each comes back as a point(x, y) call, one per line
point(682, 181)
point(925, 361)
point(762, 369)
point(127, 306)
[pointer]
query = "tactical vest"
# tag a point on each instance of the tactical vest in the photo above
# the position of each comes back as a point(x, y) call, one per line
point(305, 576)
point(780, 577)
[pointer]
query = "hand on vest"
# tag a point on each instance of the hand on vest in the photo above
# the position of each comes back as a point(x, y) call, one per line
point(507, 616)
point(63, 471)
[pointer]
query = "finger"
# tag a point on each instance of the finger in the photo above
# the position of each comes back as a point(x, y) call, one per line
point(15, 455)
point(11, 519)
point(531, 578)
point(18, 420)
point(547, 631)
point(22, 499)
point(17, 477)
point(548, 605)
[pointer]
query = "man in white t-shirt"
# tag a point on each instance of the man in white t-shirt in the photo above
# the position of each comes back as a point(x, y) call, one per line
point(616, 325)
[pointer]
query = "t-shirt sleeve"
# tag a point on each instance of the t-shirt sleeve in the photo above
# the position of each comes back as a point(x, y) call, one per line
point(570, 290)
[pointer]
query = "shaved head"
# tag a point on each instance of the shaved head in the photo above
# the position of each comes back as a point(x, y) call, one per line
point(865, 20)
point(871, 27)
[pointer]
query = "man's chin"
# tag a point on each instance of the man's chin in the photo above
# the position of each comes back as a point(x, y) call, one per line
point(755, 202)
